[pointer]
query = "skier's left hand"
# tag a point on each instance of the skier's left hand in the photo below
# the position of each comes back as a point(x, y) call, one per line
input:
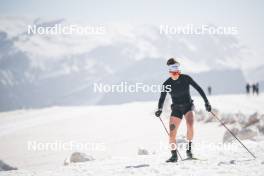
point(158, 113)
point(208, 107)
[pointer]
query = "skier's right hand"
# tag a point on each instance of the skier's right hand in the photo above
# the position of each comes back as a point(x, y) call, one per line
point(158, 113)
point(208, 107)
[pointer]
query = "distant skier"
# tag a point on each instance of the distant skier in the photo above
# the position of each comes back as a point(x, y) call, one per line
point(248, 88)
point(209, 88)
point(257, 88)
point(182, 105)
point(254, 89)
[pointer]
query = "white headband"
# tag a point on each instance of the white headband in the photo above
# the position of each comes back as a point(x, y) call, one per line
point(174, 67)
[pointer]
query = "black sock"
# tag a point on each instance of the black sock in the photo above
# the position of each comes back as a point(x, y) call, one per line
point(189, 147)
point(174, 152)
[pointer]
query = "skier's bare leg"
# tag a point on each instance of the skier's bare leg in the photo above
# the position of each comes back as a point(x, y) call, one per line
point(189, 123)
point(174, 125)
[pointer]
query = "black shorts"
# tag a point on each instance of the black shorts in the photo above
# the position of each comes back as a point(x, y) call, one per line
point(178, 110)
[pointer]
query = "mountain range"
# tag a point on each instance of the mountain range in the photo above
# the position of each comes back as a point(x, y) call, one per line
point(51, 70)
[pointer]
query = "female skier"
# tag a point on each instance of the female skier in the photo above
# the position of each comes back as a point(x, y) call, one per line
point(182, 105)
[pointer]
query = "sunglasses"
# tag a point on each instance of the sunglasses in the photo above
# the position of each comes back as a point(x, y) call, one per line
point(175, 73)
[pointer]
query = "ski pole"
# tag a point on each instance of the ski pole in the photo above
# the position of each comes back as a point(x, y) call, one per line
point(234, 135)
point(169, 135)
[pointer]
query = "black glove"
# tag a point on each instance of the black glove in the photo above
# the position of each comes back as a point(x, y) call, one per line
point(158, 113)
point(208, 107)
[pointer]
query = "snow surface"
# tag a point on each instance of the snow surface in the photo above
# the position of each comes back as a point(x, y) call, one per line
point(119, 131)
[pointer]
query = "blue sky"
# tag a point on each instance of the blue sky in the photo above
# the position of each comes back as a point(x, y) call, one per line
point(246, 15)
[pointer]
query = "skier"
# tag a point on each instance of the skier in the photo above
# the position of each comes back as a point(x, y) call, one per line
point(254, 89)
point(257, 88)
point(178, 86)
point(248, 88)
point(209, 89)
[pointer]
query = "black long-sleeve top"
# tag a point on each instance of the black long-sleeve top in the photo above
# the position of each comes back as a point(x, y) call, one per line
point(180, 90)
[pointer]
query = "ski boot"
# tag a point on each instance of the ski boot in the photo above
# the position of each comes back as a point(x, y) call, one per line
point(173, 158)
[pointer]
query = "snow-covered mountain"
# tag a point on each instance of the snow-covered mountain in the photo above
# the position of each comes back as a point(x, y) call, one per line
point(43, 70)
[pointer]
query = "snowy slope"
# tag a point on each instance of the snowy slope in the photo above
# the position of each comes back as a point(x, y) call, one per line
point(120, 130)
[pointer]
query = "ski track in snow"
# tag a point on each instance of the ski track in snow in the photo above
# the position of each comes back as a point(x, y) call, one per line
point(124, 129)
